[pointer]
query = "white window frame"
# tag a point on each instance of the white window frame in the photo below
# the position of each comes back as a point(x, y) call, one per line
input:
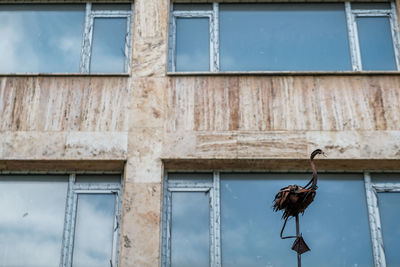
point(90, 16)
point(213, 187)
point(351, 15)
point(372, 189)
point(212, 15)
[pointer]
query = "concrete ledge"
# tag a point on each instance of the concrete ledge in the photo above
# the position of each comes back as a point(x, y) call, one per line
point(270, 165)
point(62, 165)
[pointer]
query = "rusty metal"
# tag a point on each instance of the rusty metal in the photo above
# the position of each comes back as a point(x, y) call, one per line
point(295, 199)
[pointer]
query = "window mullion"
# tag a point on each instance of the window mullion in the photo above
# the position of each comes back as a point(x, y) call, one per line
point(215, 38)
point(117, 226)
point(67, 222)
point(216, 222)
point(87, 35)
point(395, 34)
point(353, 38)
point(374, 222)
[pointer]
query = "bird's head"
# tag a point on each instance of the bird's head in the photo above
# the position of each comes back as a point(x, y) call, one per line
point(316, 152)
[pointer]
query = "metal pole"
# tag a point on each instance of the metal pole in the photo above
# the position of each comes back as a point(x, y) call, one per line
point(298, 235)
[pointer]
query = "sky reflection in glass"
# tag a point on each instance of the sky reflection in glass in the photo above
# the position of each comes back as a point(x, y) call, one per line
point(41, 38)
point(32, 220)
point(108, 45)
point(389, 209)
point(282, 37)
point(190, 229)
point(376, 44)
point(94, 230)
point(192, 44)
point(335, 226)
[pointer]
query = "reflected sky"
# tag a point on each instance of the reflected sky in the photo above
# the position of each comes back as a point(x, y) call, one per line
point(376, 44)
point(192, 44)
point(32, 220)
point(94, 230)
point(283, 37)
point(389, 210)
point(335, 226)
point(41, 38)
point(108, 45)
point(190, 229)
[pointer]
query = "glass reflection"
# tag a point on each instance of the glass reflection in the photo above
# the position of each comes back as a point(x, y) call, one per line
point(283, 37)
point(41, 38)
point(190, 229)
point(32, 220)
point(335, 225)
point(94, 230)
point(108, 45)
point(376, 44)
point(389, 204)
point(192, 44)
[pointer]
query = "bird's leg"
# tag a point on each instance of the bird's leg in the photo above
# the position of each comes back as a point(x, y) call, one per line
point(283, 228)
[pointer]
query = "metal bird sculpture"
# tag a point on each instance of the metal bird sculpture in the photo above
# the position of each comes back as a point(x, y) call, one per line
point(294, 199)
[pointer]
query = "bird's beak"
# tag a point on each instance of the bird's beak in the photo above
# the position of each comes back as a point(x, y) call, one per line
point(323, 154)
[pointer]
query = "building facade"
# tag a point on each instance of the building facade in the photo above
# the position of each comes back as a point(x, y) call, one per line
point(162, 121)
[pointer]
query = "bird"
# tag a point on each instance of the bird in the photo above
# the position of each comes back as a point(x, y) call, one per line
point(295, 199)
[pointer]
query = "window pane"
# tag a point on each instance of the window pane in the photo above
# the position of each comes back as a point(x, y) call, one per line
point(32, 220)
point(192, 44)
point(94, 230)
point(190, 229)
point(190, 177)
point(41, 38)
point(193, 7)
point(108, 7)
point(108, 45)
point(385, 177)
point(112, 179)
point(376, 44)
point(389, 204)
point(283, 37)
point(370, 5)
point(335, 225)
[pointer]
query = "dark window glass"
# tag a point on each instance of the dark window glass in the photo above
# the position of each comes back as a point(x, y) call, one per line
point(108, 45)
point(190, 232)
point(98, 179)
point(376, 44)
point(41, 38)
point(192, 7)
point(190, 177)
point(279, 37)
point(192, 44)
point(107, 7)
point(370, 5)
point(389, 210)
point(335, 225)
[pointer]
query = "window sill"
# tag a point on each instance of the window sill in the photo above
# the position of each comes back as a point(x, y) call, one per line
point(282, 73)
point(65, 75)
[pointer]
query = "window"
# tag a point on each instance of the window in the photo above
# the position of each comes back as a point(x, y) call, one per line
point(61, 38)
point(43, 215)
point(383, 192)
point(283, 37)
point(226, 219)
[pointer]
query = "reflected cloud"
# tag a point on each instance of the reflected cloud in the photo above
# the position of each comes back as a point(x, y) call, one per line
point(40, 41)
point(94, 230)
point(32, 221)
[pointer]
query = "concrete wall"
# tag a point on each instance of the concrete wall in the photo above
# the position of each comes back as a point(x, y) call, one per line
point(151, 121)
